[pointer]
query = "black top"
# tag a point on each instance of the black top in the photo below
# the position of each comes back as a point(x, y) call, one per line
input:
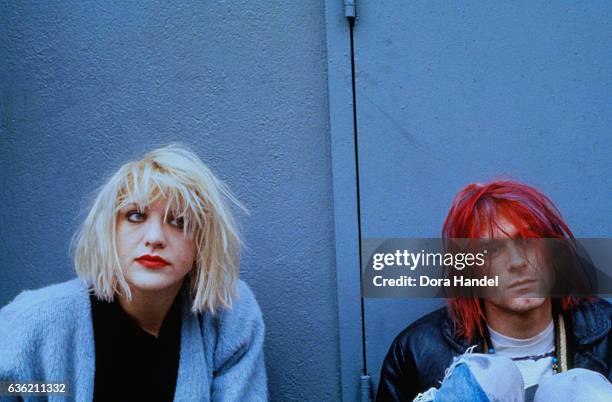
point(131, 364)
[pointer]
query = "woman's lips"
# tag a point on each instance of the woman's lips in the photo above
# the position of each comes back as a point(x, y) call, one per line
point(152, 261)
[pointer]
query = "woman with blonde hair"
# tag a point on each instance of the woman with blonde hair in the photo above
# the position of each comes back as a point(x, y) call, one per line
point(157, 311)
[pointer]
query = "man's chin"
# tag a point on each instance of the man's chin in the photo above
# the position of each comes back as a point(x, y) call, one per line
point(520, 305)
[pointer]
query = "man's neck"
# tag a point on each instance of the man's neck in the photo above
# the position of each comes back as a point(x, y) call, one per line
point(518, 324)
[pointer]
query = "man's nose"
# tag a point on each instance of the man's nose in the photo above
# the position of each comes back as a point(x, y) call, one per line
point(154, 234)
point(518, 259)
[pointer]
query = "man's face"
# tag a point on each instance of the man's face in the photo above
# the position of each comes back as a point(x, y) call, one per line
point(523, 274)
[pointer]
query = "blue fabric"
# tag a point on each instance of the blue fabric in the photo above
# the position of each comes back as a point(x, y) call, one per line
point(488, 378)
point(461, 386)
point(575, 385)
point(47, 335)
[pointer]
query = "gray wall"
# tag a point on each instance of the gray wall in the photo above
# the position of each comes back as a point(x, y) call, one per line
point(85, 86)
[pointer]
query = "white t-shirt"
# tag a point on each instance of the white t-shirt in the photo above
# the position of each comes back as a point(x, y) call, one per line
point(533, 356)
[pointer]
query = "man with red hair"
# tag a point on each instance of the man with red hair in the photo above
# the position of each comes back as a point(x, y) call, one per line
point(541, 336)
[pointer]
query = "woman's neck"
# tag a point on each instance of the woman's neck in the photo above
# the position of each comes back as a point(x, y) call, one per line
point(149, 308)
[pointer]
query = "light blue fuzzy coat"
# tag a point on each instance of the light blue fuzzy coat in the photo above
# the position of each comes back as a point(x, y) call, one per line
point(47, 335)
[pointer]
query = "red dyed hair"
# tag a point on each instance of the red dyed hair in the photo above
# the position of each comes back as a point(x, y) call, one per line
point(478, 207)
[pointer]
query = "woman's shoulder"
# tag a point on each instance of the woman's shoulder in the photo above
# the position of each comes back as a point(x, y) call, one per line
point(244, 309)
point(235, 336)
point(48, 302)
point(242, 319)
point(245, 301)
point(38, 327)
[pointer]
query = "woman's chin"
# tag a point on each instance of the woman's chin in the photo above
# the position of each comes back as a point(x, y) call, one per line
point(152, 280)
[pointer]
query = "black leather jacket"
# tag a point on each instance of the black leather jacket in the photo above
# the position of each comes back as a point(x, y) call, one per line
point(419, 355)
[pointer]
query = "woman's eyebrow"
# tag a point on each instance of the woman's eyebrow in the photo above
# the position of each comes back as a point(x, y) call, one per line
point(134, 205)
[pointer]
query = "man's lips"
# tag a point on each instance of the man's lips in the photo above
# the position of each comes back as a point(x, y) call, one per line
point(524, 283)
point(152, 261)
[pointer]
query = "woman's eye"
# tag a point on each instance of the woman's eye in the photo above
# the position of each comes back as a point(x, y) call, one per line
point(178, 222)
point(135, 216)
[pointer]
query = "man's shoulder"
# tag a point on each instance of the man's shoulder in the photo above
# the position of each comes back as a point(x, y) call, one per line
point(421, 352)
point(427, 330)
point(592, 320)
point(596, 305)
point(426, 323)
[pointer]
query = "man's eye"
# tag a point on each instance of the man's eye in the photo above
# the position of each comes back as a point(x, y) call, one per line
point(494, 247)
point(135, 216)
point(178, 222)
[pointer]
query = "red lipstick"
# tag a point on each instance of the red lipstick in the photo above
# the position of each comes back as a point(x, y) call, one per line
point(152, 261)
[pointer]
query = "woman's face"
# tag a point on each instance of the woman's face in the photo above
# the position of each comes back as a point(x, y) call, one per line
point(154, 253)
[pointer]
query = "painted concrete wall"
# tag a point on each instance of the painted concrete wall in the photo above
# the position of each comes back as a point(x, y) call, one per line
point(85, 86)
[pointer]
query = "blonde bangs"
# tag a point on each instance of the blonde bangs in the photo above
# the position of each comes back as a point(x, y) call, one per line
point(145, 184)
point(191, 192)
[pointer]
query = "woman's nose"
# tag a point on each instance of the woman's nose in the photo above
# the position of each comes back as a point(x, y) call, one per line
point(154, 233)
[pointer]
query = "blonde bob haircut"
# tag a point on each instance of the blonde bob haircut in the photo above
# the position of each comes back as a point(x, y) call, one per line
point(193, 193)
